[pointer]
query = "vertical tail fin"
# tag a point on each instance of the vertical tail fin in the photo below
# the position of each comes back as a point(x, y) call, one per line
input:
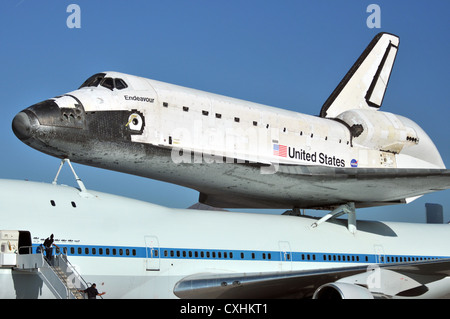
point(365, 83)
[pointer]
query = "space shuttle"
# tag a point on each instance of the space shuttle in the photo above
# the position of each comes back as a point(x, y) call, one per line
point(240, 154)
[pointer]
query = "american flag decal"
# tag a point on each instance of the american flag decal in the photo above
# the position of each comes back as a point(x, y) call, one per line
point(280, 150)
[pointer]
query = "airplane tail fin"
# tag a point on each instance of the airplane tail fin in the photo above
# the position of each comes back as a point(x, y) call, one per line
point(364, 85)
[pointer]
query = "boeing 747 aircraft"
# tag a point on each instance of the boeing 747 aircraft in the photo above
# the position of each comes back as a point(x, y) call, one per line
point(134, 249)
point(239, 154)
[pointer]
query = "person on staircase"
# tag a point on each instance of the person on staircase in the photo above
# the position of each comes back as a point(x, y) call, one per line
point(48, 245)
point(92, 292)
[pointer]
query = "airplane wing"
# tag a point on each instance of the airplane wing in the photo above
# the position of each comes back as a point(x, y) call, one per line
point(365, 83)
point(318, 187)
point(303, 284)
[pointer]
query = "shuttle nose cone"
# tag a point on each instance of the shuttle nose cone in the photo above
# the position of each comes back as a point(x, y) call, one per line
point(22, 125)
point(34, 121)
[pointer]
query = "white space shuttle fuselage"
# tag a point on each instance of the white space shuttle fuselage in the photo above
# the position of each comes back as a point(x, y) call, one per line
point(243, 154)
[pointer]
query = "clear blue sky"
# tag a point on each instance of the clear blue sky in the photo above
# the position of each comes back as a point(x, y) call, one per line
point(289, 54)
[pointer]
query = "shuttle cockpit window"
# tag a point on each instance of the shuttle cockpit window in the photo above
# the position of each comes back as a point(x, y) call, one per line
point(109, 83)
point(93, 80)
point(120, 84)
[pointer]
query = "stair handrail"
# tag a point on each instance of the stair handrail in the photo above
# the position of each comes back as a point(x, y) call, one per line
point(57, 256)
point(69, 265)
point(65, 259)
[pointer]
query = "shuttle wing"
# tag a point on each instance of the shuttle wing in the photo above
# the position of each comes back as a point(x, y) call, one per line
point(365, 83)
point(319, 187)
point(303, 284)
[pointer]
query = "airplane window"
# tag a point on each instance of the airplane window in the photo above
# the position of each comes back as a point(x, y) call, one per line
point(120, 84)
point(93, 80)
point(108, 83)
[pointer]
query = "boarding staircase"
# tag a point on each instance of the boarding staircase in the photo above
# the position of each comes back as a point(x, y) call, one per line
point(58, 274)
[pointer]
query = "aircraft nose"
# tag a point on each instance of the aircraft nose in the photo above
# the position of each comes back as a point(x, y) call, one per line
point(43, 120)
point(27, 123)
point(23, 124)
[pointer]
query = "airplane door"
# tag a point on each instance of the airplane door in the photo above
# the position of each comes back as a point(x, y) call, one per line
point(285, 255)
point(152, 253)
point(379, 254)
